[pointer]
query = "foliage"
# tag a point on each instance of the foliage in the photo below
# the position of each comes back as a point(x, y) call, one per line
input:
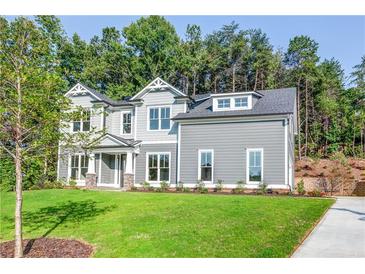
point(164, 186)
point(180, 186)
point(72, 183)
point(186, 189)
point(219, 185)
point(240, 187)
point(300, 187)
point(87, 215)
point(262, 188)
point(145, 185)
point(200, 187)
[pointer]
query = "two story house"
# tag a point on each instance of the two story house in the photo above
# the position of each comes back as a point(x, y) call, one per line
point(162, 134)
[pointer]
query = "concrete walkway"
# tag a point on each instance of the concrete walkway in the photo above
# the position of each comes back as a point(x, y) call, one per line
point(340, 234)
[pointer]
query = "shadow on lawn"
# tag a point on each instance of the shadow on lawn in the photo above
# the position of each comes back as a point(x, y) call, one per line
point(51, 217)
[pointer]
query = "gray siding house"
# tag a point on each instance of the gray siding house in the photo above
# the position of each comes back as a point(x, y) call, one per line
point(162, 134)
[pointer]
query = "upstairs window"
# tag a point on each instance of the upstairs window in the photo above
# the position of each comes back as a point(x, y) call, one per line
point(224, 103)
point(83, 124)
point(241, 102)
point(126, 122)
point(159, 118)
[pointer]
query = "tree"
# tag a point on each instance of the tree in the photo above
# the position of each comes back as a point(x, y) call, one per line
point(30, 100)
point(301, 59)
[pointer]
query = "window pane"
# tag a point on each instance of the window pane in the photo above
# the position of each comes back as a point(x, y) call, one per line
point(165, 118)
point(127, 128)
point(164, 160)
point(255, 174)
point(76, 126)
point(164, 174)
point(74, 173)
point(83, 173)
point(154, 113)
point(152, 174)
point(153, 124)
point(224, 103)
point(241, 102)
point(206, 159)
point(165, 123)
point(258, 159)
point(152, 160)
point(255, 166)
point(154, 119)
point(85, 126)
point(206, 173)
point(84, 161)
point(75, 161)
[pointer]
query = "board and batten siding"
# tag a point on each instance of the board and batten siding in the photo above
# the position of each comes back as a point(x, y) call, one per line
point(229, 141)
point(140, 174)
point(157, 98)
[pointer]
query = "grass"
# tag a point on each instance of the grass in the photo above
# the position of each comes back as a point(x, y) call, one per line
point(121, 224)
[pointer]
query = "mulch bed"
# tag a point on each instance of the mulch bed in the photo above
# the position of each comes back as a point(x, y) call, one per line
point(48, 248)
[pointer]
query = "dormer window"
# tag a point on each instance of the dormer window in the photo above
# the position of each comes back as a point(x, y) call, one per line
point(224, 103)
point(241, 102)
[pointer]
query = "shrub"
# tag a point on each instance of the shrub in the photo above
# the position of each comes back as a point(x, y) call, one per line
point(72, 183)
point(200, 187)
point(300, 187)
point(316, 193)
point(186, 189)
point(53, 184)
point(164, 186)
point(339, 156)
point(180, 186)
point(158, 189)
point(150, 188)
point(145, 185)
point(262, 188)
point(134, 188)
point(240, 187)
point(35, 187)
point(219, 185)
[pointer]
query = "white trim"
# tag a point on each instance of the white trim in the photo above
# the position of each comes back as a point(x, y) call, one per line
point(239, 94)
point(232, 186)
point(80, 89)
point(102, 126)
point(158, 167)
point(100, 159)
point(122, 122)
point(157, 83)
point(159, 118)
point(111, 137)
point(185, 107)
point(135, 123)
point(199, 164)
point(232, 103)
point(178, 153)
point(58, 162)
point(115, 169)
point(82, 121)
point(158, 142)
point(239, 119)
point(248, 150)
point(286, 151)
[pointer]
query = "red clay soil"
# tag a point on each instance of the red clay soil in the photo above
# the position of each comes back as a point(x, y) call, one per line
point(48, 248)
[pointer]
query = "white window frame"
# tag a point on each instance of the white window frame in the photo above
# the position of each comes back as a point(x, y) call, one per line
point(232, 103)
point(224, 99)
point(159, 117)
point(248, 150)
point(199, 164)
point(122, 122)
point(79, 166)
point(158, 167)
point(82, 122)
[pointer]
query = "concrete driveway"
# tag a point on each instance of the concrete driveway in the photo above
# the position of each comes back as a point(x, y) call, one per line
point(340, 234)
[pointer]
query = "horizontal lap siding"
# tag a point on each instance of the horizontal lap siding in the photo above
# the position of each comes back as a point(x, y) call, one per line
point(63, 167)
point(140, 176)
point(229, 142)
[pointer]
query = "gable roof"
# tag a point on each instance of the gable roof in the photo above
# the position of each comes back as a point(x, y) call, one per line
point(272, 102)
point(114, 140)
point(80, 89)
point(157, 84)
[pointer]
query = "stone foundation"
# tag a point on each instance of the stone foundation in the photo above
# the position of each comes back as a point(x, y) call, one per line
point(90, 180)
point(128, 180)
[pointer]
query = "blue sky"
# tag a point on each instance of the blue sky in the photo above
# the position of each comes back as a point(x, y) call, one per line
point(341, 37)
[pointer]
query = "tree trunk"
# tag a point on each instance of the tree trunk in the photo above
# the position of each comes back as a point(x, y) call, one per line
point(194, 79)
point(18, 251)
point(256, 76)
point(306, 118)
point(233, 78)
point(298, 122)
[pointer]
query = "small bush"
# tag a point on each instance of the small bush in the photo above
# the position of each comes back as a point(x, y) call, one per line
point(150, 188)
point(240, 187)
point(145, 185)
point(53, 184)
point(219, 185)
point(316, 193)
point(200, 187)
point(186, 189)
point(180, 186)
point(35, 187)
point(158, 189)
point(262, 188)
point(300, 187)
point(134, 188)
point(164, 186)
point(339, 156)
point(72, 183)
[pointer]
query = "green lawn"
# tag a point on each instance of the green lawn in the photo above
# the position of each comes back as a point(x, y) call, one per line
point(121, 224)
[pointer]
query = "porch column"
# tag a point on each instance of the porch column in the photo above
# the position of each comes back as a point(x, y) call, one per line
point(90, 174)
point(128, 173)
